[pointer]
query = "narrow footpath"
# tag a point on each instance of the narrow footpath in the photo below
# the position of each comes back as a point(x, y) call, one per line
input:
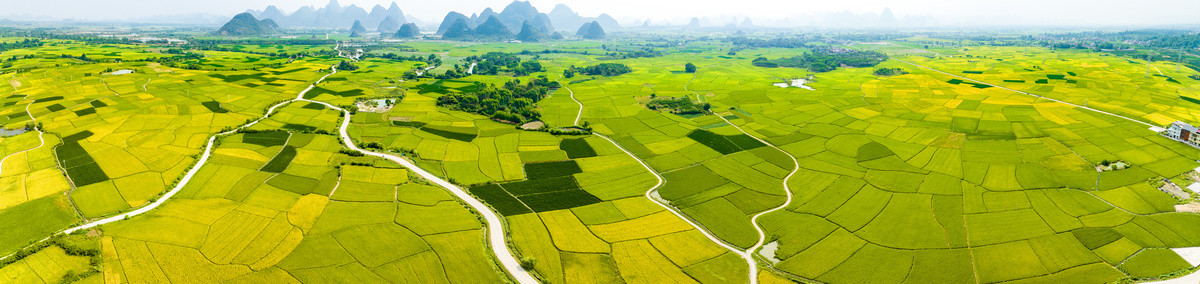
point(752, 266)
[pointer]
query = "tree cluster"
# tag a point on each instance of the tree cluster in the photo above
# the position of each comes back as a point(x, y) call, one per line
point(513, 102)
point(889, 72)
point(682, 105)
point(825, 60)
point(602, 69)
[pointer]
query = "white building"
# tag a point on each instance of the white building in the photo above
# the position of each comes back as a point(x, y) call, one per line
point(1183, 132)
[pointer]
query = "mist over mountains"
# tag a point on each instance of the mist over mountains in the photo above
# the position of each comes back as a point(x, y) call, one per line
point(611, 16)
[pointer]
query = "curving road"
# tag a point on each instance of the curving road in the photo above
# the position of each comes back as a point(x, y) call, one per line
point(746, 255)
point(496, 234)
point(31, 120)
point(191, 172)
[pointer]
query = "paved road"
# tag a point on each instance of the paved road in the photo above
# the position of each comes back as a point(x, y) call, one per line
point(496, 234)
point(1026, 93)
point(191, 172)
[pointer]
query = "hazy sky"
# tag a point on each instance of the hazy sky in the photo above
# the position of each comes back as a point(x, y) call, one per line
point(948, 12)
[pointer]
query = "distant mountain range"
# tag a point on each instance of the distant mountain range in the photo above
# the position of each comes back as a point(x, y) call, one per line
point(521, 19)
point(334, 15)
point(517, 19)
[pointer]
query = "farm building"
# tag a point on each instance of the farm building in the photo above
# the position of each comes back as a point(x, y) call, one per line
point(1183, 132)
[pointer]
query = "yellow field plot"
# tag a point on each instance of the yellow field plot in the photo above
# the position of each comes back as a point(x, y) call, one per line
point(45, 182)
point(446, 216)
point(589, 268)
point(431, 150)
point(569, 234)
point(636, 207)
point(390, 176)
point(1159, 119)
point(532, 239)
point(670, 146)
point(357, 173)
point(1055, 112)
point(534, 138)
point(269, 275)
point(201, 211)
point(457, 151)
point(186, 265)
point(232, 233)
point(305, 211)
point(137, 189)
point(215, 181)
point(116, 162)
point(242, 153)
point(639, 262)
point(465, 269)
point(19, 273)
point(313, 158)
point(507, 143)
point(53, 263)
point(137, 262)
point(686, 248)
point(652, 225)
point(424, 267)
point(1001, 177)
point(861, 113)
point(183, 232)
point(275, 236)
point(511, 166)
point(270, 197)
point(767, 277)
point(535, 148)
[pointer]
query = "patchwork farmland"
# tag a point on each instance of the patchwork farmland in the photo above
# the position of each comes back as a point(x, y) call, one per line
point(647, 155)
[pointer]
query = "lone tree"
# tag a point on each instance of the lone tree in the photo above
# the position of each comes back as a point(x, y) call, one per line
point(690, 68)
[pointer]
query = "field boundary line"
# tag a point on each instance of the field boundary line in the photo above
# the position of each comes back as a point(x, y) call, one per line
point(753, 269)
point(207, 152)
point(579, 114)
point(496, 234)
point(762, 235)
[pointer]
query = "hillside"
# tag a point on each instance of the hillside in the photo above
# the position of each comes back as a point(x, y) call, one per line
point(245, 24)
point(591, 30)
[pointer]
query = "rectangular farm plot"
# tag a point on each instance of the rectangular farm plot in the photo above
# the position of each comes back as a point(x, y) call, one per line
point(544, 170)
point(266, 139)
point(535, 195)
point(80, 166)
point(725, 144)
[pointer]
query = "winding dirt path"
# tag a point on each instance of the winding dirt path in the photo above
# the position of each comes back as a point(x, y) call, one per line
point(752, 266)
point(762, 235)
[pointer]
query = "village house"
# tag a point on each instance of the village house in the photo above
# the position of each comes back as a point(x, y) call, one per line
point(1183, 132)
